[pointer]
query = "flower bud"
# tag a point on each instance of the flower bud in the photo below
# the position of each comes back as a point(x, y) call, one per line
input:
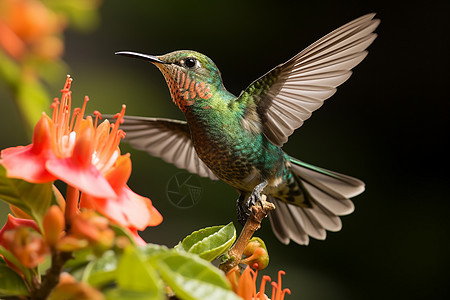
point(26, 245)
point(88, 228)
point(70, 243)
point(54, 225)
point(21, 237)
point(256, 254)
point(68, 288)
point(93, 227)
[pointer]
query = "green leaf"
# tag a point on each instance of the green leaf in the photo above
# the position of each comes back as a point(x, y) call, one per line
point(192, 278)
point(44, 266)
point(9, 69)
point(122, 231)
point(32, 99)
point(11, 284)
point(153, 249)
point(102, 270)
point(80, 258)
point(120, 294)
point(136, 278)
point(34, 199)
point(210, 242)
point(13, 260)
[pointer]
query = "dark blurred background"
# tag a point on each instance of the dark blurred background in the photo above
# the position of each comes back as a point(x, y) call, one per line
point(387, 125)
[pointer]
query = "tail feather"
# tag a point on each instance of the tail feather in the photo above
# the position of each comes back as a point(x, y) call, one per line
point(327, 219)
point(332, 201)
point(285, 225)
point(311, 226)
point(343, 184)
point(279, 229)
point(328, 193)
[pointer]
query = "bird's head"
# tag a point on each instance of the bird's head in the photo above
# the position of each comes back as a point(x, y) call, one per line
point(190, 76)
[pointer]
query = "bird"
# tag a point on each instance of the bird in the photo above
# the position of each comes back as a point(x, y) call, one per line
point(239, 139)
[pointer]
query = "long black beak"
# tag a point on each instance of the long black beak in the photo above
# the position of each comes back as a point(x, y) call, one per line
point(150, 58)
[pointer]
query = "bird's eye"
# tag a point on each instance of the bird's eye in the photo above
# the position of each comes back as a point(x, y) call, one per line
point(190, 62)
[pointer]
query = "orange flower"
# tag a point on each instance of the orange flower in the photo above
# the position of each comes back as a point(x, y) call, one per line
point(129, 209)
point(88, 228)
point(28, 26)
point(244, 285)
point(72, 150)
point(86, 156)
point(21, 237)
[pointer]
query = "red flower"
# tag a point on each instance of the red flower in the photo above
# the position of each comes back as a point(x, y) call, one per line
point(28, 162)
point(244, 285)
point(128, 209)
point(21, 237)
point(87, 157)
point(64, 148)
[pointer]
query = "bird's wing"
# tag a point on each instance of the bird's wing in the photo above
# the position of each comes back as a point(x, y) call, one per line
point(287, 95)
point(167, 139)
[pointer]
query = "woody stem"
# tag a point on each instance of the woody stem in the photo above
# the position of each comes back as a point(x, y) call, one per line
point(51, 279)
point(258, 212)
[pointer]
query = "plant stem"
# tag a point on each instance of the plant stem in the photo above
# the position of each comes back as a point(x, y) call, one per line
point(72, 197)
point(51, 278)
point(258, 212)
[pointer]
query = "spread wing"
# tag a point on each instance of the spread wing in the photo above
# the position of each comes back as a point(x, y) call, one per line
point(167, 139)
point(287, 95)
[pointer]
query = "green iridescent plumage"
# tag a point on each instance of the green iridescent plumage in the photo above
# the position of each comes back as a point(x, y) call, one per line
point(239, 139)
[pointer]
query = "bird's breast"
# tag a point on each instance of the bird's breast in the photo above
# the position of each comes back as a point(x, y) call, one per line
point(235, 155)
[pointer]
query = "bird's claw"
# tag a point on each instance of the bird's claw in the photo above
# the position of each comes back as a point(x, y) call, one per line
point(252, 200)
point(244, 207)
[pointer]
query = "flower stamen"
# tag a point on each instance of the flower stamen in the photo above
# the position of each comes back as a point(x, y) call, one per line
point(98, 116)
point(81, 114)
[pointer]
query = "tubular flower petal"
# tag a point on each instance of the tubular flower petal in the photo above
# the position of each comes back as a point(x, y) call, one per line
point(128, 209)
point(14, 222)
point(28, 162)
point(139, 241)
point(246, 285)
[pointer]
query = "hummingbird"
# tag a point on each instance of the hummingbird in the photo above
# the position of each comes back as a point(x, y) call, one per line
point(238, 139)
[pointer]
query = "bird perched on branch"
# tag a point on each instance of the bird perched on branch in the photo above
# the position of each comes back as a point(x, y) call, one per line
point(239, 139)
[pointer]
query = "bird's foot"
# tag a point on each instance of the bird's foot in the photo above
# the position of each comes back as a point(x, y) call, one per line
point(255, 196)
point(244, 204)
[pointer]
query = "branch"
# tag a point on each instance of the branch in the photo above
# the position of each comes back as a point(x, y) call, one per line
point(258, 212)
point(51, 278)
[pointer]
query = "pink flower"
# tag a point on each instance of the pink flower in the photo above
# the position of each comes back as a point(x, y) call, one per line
point(129, 209)
point(86, 156)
